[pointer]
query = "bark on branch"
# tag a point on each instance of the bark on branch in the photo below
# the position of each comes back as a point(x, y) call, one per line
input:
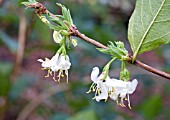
point(75, 32)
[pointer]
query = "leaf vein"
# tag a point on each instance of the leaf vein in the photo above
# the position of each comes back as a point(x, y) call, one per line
point(157, 38)
point(150, 7)
point(162, 21)
point(145, 34)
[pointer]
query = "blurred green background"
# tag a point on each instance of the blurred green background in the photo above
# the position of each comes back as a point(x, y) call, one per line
point(25, 94)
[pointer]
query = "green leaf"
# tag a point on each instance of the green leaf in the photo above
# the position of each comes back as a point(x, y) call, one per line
point(32, 1)
point(116, 49)
point(69, 17)
point(58, 22)
point(66, 14)
point(56, 28)
point(149, 26)
point(26, 3)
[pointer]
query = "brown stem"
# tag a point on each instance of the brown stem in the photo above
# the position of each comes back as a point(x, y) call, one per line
point(151, 69)
point(74, 32)
point(138, 63)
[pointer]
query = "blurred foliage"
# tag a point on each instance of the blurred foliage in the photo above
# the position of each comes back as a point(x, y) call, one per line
point(103, 20)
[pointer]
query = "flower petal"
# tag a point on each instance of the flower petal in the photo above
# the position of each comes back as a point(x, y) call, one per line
point(104, 91)
point(64, 63)
point(114, 95)
point(40, 60)
point(116, 83)
point(132, 86)
point(94, 74)
point(123, 93)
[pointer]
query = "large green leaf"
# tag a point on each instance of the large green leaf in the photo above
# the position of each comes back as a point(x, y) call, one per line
point(149, 26)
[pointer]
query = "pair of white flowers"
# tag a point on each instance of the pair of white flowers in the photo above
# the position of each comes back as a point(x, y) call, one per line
point(58, 63)
point(113, 88)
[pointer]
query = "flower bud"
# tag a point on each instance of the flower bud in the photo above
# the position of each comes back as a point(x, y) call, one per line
point(44, 20)
point(65, 33)
point(57, 37)
point(74, 42)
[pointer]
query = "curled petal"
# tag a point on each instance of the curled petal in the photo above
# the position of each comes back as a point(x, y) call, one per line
point(94, 74)
point(40, 60)
point(132, 86)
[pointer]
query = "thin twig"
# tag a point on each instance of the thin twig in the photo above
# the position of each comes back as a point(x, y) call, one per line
point(21, 44)
point(136, 62)
point(39, 99)
point(74, 32)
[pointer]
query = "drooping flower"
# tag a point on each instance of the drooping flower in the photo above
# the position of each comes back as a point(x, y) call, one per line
point(113, 88)
point(122, 89)
point(57, 63)
point(47, 64)
point(130, 88)
point(63, 65)
point(102, 91)
point(98, 86)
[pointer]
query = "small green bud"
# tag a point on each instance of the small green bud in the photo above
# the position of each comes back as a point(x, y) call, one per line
point(120, 44)
point(74, 42)
point(65, 33)
point(125, 75)
point(44, 20)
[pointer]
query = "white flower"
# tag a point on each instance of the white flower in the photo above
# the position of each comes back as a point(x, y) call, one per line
point(57, 63)
point(130, 88)
point(45, 63)
point(48, 64)
point(63, 64)
point(102, 91)
point(57, 37)
point(119, 88)
point(98, 86)
point(112, 88)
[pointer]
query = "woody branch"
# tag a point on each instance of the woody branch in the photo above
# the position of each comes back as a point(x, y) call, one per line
point(40, 9)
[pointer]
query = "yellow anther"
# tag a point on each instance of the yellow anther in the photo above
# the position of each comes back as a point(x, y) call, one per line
point(59, 81)
point(43, 68)
point(98, 91)
point(109, 92)
point(93, 89)
point(106, 99)
point(122, 105)
point(117, 102)
point(113, 89)
point(88, 91)
point(94, 98)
